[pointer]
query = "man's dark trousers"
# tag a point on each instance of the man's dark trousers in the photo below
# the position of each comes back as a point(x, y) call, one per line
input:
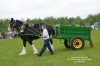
point(46, 45)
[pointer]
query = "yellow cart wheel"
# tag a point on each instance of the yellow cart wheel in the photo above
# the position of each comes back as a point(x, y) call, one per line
point(77, 43)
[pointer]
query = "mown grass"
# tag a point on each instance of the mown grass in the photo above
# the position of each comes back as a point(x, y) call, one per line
point(9, 50)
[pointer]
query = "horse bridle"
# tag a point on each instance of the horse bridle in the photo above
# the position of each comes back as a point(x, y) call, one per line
point(13, 24)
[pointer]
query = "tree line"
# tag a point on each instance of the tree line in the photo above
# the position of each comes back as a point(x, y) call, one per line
point(90, 19)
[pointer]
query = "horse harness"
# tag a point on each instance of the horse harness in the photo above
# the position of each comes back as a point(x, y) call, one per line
point(23, 27)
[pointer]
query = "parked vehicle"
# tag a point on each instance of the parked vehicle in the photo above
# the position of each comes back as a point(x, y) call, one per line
point(96, 26)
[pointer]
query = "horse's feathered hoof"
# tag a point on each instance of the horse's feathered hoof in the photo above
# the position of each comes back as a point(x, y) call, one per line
point(36, 52)
point(22, 54)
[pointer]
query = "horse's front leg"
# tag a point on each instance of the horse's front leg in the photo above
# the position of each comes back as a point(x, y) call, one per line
point(34, 48)
point(24, 48)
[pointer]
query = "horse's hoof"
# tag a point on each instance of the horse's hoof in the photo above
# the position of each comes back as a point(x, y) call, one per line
point(22, 54)
point(35, 52)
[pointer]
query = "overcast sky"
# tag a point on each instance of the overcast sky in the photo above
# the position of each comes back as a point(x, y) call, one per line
point(44, 8)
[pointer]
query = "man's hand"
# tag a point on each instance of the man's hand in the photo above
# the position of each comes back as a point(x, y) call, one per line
point(41, 36)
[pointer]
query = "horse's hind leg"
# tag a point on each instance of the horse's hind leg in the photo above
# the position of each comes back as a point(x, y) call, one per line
point(51, 44)
point(24, 48)
point(34, 48)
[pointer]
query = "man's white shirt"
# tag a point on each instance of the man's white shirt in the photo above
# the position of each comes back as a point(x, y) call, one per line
point(45, 34)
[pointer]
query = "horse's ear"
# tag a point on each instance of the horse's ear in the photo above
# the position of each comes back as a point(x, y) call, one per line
point(12, 19)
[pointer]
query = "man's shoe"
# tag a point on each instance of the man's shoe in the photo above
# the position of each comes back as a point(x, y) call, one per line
point(39, 54)
point(52, 53)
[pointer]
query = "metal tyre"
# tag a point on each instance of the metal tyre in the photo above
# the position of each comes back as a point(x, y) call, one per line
point(66, 43)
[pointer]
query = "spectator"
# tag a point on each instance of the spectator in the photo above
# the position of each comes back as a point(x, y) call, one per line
point(10, 33)
point(1, 36)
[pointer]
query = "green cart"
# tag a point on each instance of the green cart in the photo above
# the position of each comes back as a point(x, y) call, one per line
point(74, 36)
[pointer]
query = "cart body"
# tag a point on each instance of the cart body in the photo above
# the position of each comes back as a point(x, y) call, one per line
point(75, 34)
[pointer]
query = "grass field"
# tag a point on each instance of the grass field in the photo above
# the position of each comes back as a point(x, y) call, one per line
point(9, 50)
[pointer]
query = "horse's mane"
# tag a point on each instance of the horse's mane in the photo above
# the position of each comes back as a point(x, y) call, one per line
point(19, 21)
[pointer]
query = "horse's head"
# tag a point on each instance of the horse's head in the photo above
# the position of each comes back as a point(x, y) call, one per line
point(15, 24)
point(12, 23)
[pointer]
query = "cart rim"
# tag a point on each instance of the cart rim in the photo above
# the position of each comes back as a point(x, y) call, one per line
point(77, 43)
